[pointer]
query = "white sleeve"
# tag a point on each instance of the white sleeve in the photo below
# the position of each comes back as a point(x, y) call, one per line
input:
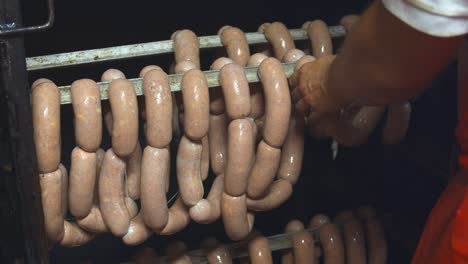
point(441, 18)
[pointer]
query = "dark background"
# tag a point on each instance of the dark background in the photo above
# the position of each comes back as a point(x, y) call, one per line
point(402, 182)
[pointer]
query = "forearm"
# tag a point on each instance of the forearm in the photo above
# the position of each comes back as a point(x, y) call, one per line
point(383, 60)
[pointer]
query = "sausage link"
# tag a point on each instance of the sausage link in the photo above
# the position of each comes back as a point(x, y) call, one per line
point(108, 76)
point(51, 188)
point(216, 253)
point(332, 244)
point(64, 184)
point(293, 55)
point(236, 44)
point(320, 39)
point(158, 102)
point(277, 102)
point(186, 47)
point(235, 90)
point(264, 48)
point(133, 171)
point(353, 232)
point(74, 236)
point(234, 213)
point(280, 39)
point(304, 250)
point(218, 138)
point(292, 152)
point(82, 181)
point(86, 102)
point(184, 66)
point(176, 252)
point(277, 194)
point(375, 236)
point(205, 158)
point(155, 167)
point(239, 157)
point(397, 123)
point(257, 103)
point(304, 60)
point(348, 22)
point(188, 171)
point(263, 171)
point(111, 194)
point(287, 255)
point(147, 69)
point(124, 107)
point(178, 218)
point(93, 222)
point(216, 94)
point(209, 210)
point(259, 250)
point(46, 123)
point(137, 233)
point(196, 104)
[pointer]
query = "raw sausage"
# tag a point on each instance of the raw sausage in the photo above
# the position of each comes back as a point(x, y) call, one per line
point(186, 47)
point(196, 104)
point(353, 233)
point(64, 184)
point(287, 255)
point(236, 44)
point(278, 193)
point(235, 219)
point(124, 107)
point(304, 250)
point(188, 171)
point(209, 210)
point(137, 233)
point(216, 94)
point(216, 253)
point(235, 90)
point(218, 138)
point(133, 172)
point(332, 244)
point(280, 39)
point(51, 189)
point(257, 103)
point(259, 250)
point(320, 39)
point(108, 76)
point(205, 158)
point(74, 236)
point(176, 252)
point(177, 220)
point(293, 150)
point(82, 181)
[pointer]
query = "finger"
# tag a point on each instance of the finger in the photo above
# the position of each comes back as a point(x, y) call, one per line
point(293, 80)
point(302, 106)
point(296, 95)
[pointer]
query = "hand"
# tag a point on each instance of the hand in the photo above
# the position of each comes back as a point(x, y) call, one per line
point(308, 90)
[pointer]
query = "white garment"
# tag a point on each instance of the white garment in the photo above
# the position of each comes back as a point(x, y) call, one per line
point(441, 18)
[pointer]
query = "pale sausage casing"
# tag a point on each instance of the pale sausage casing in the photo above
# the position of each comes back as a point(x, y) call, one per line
point(51, 189)
point(264, 170)
point(235, 90)
point(259, 250)
point(82, 182)
point(196, 104)
point(186, 47)
point(236, 44)
point(234, 213)
point(188, 171)
point(280, 38)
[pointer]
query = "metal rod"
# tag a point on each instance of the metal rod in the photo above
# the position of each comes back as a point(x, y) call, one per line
point(145, 49)
point(10, 28)
point(212, 78)
point(16, 108)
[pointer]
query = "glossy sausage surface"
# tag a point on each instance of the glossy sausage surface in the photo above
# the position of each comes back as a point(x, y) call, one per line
point(137, 233)
point(107, 76)
point(287, 255)
point(205, 158)
point(188, 171)
point(46, 122)
point(304, 250)
point(196, 104)
point(278, 193)
point(320, 39)
point(239, 157)
point(264, 170)
point(51, 189)
point(235, 90)
point(64, 183)
point(236, 44)
point(353, 233)
point(277, 102)
point(177, 220)
point(186, 47)
point(376, 243)
point(158, 101)
point(124, 107)
point(218, 142)
point(93, 222)
point(82, 182)
point(293, 55)
point(292, 152)
point(257, 103)
point(217, 253)
point(332, 244)
point(259, 250)
point(280, 38)
point(209, 210)
point(133, 172)
point(234, 213)
point(74, 236)
point(217, 106)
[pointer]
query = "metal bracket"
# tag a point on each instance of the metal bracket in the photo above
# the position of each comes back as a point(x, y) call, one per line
point(10, 28)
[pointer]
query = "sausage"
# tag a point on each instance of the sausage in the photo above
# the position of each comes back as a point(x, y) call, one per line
point(216, 94)
point(216, 253)
point(177, 220)
point(320, 39)
point(82, 181)
point(155, 167)
point(265, 48)
point(159, 112)
point(74, 236)
point(236, 44)
point(147, 69)
point(280, 39)
point(196, 104)
point(277, 194)
point(46, 124)
point(304, 250)
point(137, 232)
point(235, 90)
point(264, 170)
point(375, 236)
point(293, 55)
point(353, 233)
point(234, 214)
point(292, 152)
point(124, 107)
point(133, 172)
point(209, 210)
point(287, 255)
point(205, 158)
point(255, 135)
point(93, 222)
point(107, 76)
point(188, 171)
point(64, 184)
point(277, 102)
point(332, 244)
point(218, 138)
point(111, 194)
point(303, 60)
point(348, 22)
point(186, 47)
point(51, 188)
point(86, 103)
point(257, 103)
point(259, 250)
point(176, 252)
point(184, 66)
point(397, 123)
point(239, 157)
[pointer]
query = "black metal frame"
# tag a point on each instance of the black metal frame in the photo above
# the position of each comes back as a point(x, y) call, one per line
point(14, 92)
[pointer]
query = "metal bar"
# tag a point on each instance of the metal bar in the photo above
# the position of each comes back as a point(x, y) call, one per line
point(14, 91)
point(145, 49)
point(212, 78)
point(10, 28)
